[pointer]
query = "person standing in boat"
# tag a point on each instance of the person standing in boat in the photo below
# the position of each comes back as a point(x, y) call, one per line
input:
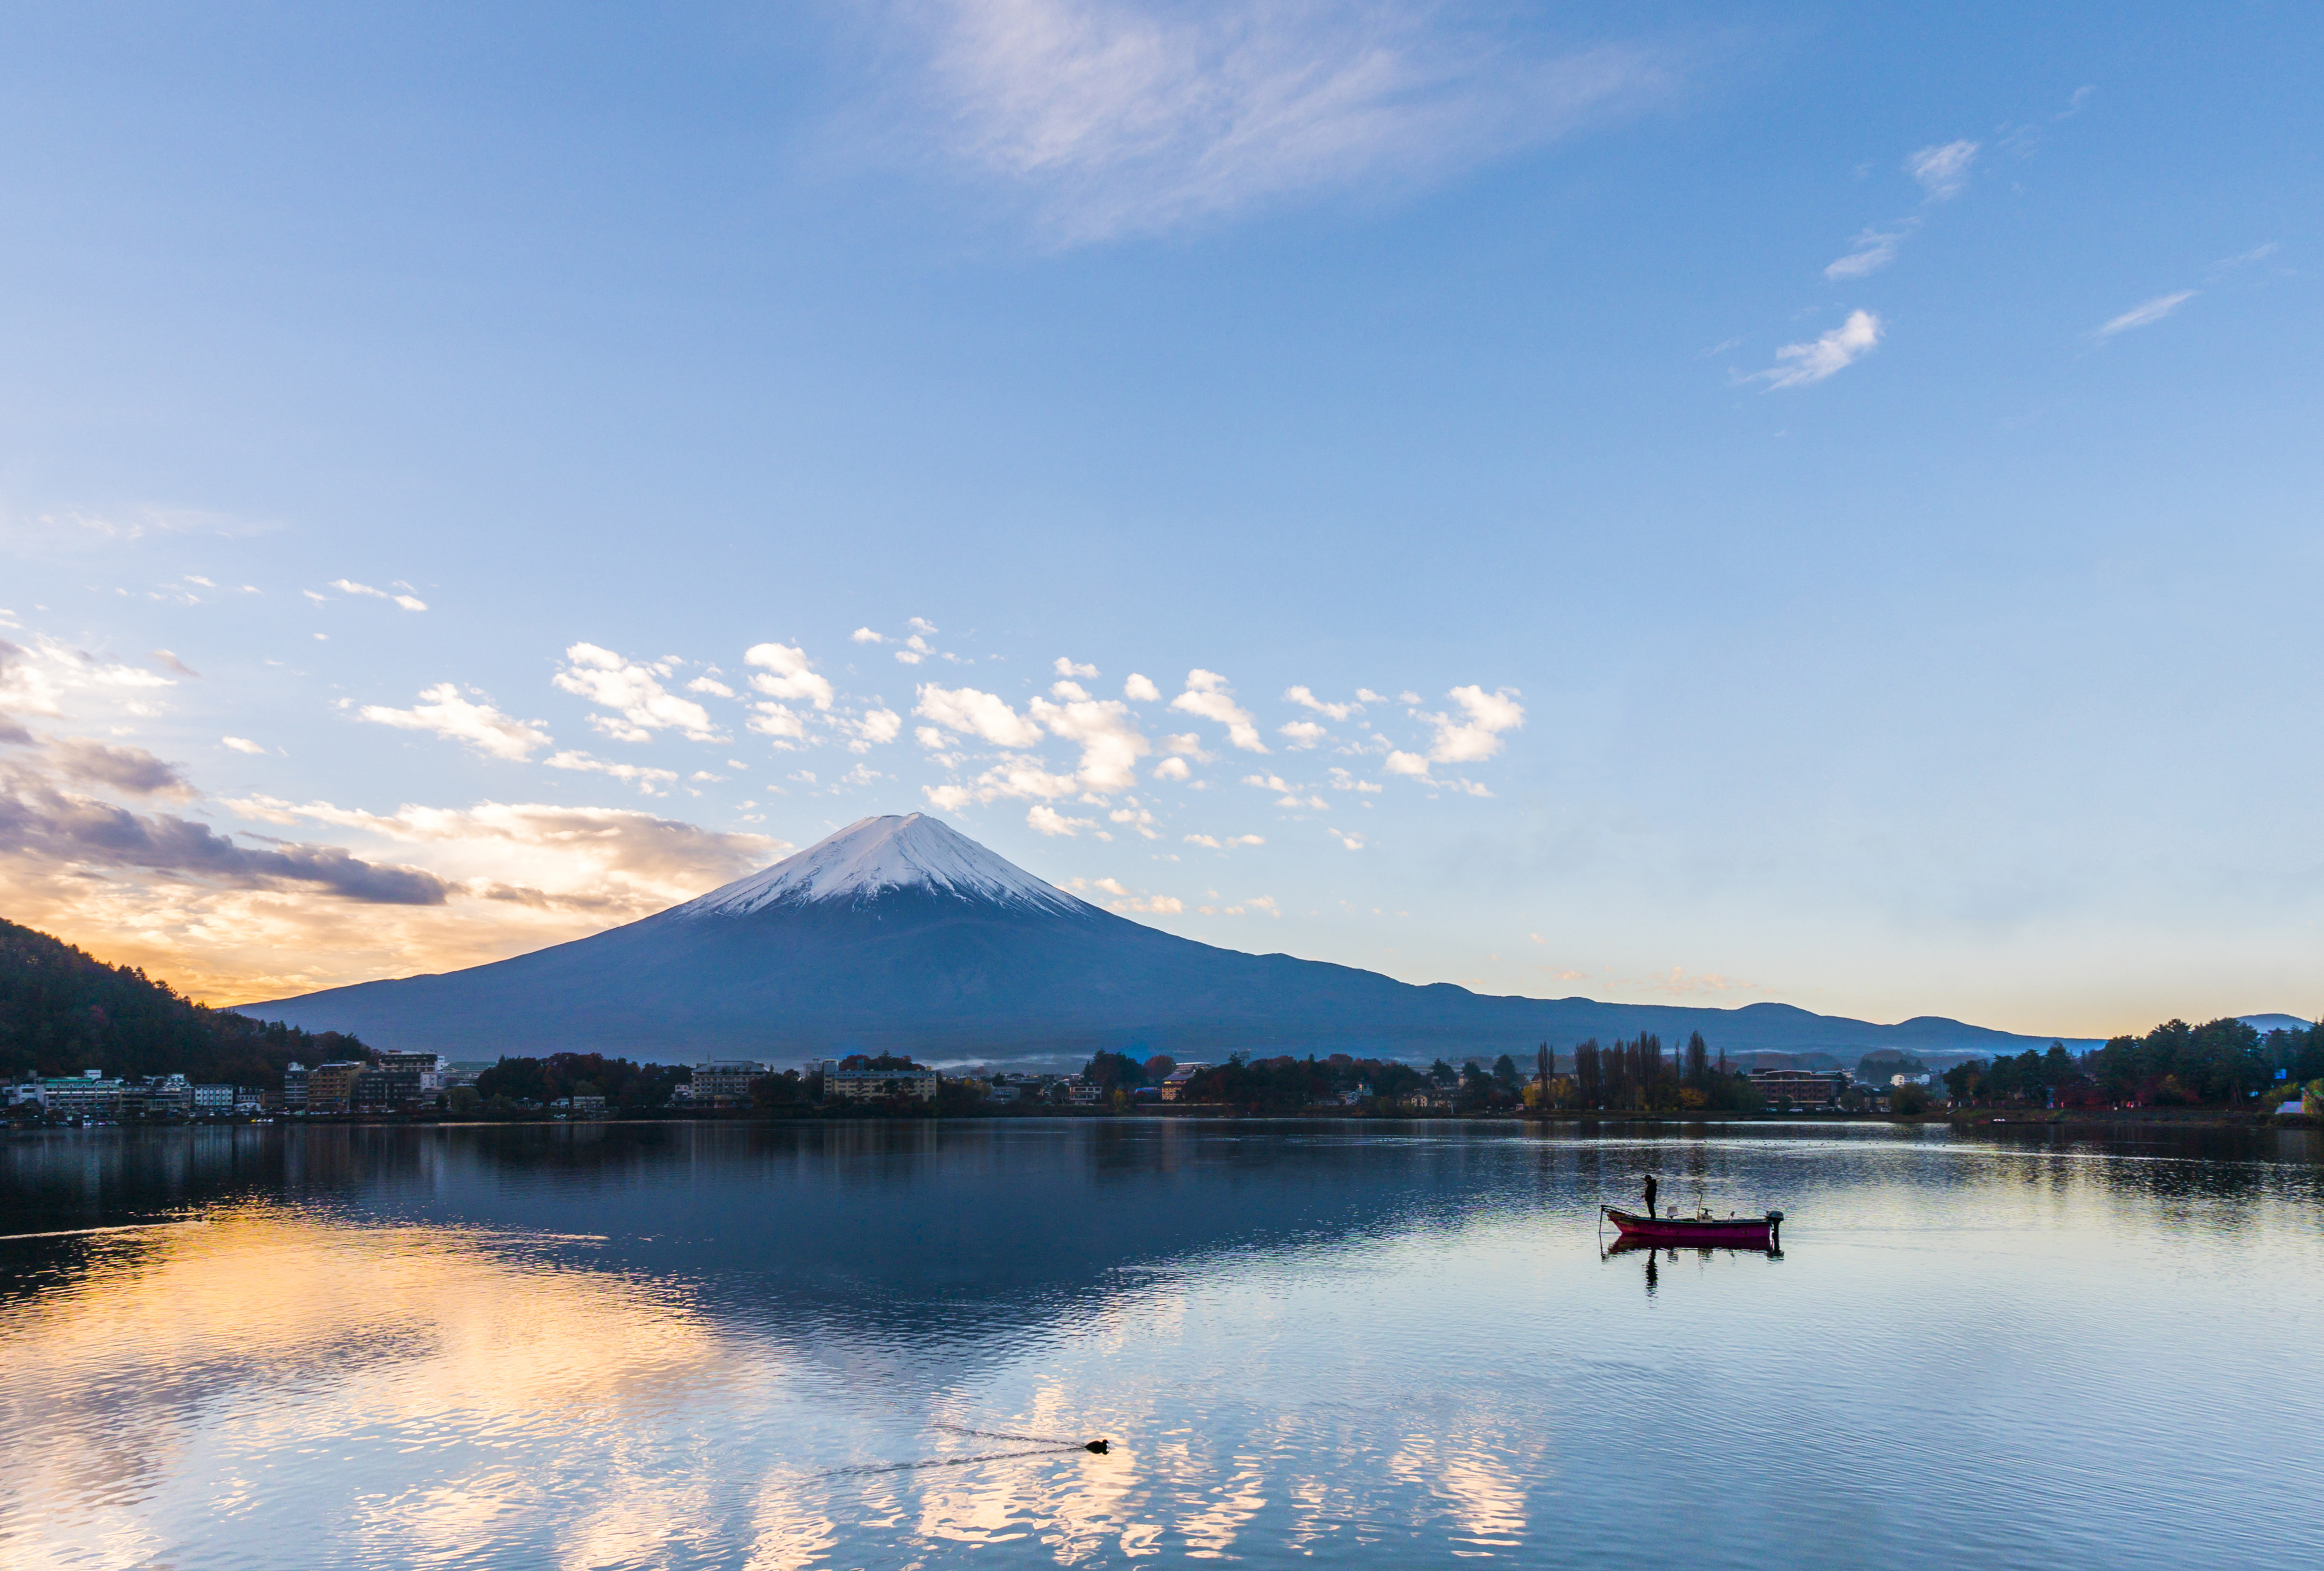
point(1650, 1195)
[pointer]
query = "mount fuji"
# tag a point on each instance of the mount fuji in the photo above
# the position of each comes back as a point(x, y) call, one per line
point(901, 934)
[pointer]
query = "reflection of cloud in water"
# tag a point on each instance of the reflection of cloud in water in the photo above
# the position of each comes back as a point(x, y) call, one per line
point(1237, 1496)
point(784, 1535)
point(1076, 1504)
point(179, 1372)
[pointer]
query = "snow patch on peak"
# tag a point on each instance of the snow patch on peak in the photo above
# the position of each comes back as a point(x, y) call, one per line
point(872, 856)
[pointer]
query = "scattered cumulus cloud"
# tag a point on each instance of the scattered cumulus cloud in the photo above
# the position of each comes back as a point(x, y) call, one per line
point(969, 712)
point(917, 647)
point(874, 727)
point(769, 718)
point(445, 712)
point(1045, 820)
point(1307, 699)
point(1136, 818)
point(1208, 696)
point(1158, 905)
point(243, 744)
point(1302, 734)
point(1225, 843)
point(632, 690)
point(1140, 689)
point(1107, 732)
point(786, 672)
point(1066, 668)
point(38, 680)
point(865, 636)
point(1475, 734)
point(1352, 841)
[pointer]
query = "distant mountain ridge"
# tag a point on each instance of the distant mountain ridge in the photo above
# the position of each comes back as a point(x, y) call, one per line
point(2265, 1023)
point(900, 933)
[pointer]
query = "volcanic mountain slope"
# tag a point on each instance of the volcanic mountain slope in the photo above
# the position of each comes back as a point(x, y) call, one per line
point(900, 933)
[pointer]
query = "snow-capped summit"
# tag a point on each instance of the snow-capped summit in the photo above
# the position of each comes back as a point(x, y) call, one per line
point(873, 856)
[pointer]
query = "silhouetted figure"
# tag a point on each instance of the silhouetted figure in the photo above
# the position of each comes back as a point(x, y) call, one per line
point(1650, 1195)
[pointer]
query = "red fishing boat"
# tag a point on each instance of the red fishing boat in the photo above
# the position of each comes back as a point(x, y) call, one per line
point(1699, 1230)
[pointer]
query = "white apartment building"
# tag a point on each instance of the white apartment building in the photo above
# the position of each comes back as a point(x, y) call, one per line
point(726, 1079)
point(871, 1085)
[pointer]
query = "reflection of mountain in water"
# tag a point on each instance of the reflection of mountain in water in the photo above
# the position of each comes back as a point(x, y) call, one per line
point(909, 1229)
point(944, 1231)
point(888, 1233)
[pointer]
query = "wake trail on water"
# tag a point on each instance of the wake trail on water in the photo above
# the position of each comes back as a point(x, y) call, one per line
point(1036, 1445)
point(997, 1435)
point(870, 1467)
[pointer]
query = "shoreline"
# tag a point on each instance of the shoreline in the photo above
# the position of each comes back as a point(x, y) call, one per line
point(1978, 1118)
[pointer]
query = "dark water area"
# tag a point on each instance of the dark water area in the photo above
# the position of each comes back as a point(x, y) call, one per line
point(879, 1344)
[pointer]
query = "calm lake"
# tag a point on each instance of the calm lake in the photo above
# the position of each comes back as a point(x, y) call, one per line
point(879, 1344)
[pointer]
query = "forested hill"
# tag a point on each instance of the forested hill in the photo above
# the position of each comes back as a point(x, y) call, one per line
point(63, 1011)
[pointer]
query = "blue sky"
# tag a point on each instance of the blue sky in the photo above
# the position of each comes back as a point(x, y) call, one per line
point(1839, 486)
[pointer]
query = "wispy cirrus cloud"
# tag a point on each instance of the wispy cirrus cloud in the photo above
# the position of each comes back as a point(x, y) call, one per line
point(2147, 313)
point(1133, 116)
point(407, 601)
point(644, 776)
point(1868, 252)
point(1943, 170)
point(1800, 364)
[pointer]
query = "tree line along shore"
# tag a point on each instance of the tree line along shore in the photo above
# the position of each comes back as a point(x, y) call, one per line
point(63, 1012)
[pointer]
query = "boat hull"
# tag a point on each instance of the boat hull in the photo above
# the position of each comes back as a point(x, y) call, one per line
point(1719, 1233)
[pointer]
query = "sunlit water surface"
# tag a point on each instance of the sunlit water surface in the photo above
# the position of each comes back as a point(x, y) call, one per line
point(874, 1345)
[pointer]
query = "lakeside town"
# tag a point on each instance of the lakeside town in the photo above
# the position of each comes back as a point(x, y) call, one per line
point(2224, 1069)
